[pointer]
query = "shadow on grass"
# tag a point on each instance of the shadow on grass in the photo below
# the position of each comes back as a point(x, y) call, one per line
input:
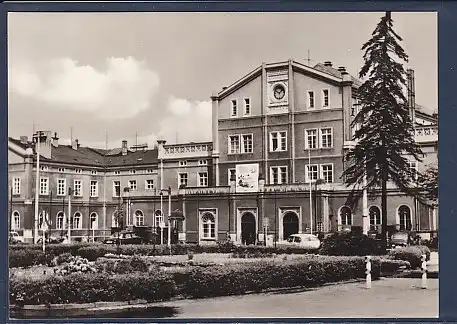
point(149, 312)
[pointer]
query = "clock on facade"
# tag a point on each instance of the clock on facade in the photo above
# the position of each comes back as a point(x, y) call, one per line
point(279, 92)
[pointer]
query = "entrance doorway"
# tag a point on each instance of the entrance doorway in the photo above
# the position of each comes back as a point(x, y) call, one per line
point(289, 224)
point(248, 228)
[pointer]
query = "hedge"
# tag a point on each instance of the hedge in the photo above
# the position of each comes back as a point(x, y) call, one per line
point(88, 288)
point(412, 254)
point(351, 244)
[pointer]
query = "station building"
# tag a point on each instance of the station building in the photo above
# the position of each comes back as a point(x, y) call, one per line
point(273, 168)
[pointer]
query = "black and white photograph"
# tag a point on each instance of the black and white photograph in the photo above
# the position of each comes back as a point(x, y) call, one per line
point(237, 165)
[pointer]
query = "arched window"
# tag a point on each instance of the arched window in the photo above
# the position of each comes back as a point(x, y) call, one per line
point(114, 220)
point(208, 226)
point(16, 220)
point(93, 221)
point(41, 219)
point(77, 220)
point(375, 216)
point(139, 218)
point(159, 217)
point(346, 216)
point(60, 220)
point(404, 215)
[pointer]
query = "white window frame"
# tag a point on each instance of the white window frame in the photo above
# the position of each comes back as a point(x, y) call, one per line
point(133, 183)
point(80, 194)
point(93, 172)
point(44, 168)
point(323, 98)
point(322, 172)
point(308, 100)
point(138, 217)
point(234, 107)
point(321, 141)
point(146, 184)
point(149, 170)
point(58, 224)
point(212, 225)
point(279, 149)
point(200, 178)
point(307, 172)
point(93, 191)
point(414, 165)
point(183, 163)
point(179, 179)
point(117, 172)
point(242, 148)
point(132, 171)
point(60, 193)
point(202, 162)
point(16, 186)
point(279, 169)
point(247, 105)
point(230, 144)
point(114, 188)
point(46, 191)
point(307, 136)
point(95, 223)
point(80, 223)
point(16, 220)
point(78, 171)
point(114, 220)
point(61, 170)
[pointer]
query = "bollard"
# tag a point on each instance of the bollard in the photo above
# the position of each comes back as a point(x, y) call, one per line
point(424, 271)
point(368, 271)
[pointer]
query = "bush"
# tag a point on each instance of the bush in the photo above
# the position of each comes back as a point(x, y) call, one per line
point(122, 266)
point(28, 257)
point(350, 244)
point(76, 264)
point(412, 254)
point(88, 288)
point(63, 258)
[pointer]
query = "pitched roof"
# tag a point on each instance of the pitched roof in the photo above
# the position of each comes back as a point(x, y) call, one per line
point(19, 143)
point(335, 72)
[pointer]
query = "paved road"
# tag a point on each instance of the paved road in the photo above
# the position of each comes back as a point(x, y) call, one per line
point(388, 298)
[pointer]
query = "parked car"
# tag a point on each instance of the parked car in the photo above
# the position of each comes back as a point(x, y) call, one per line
point(15, 238)
point(124, 238)
point(399, 239)
point(306, 241)
point(52, 240)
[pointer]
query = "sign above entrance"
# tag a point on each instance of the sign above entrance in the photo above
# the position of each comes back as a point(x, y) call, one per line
point(177, 215)
point(247, 177)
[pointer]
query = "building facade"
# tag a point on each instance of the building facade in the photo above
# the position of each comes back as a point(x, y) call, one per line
point(273, 168)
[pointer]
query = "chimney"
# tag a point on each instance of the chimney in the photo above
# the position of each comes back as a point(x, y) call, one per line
point(24, 139)
point(328, 63)
point(55, 140)
point(75, 144)
point(342, 69)
point(124, 147)
point(160, 148)
point(223, 88)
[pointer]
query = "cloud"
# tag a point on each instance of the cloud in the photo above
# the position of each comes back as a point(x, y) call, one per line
point(187, 121)
point(123, 89)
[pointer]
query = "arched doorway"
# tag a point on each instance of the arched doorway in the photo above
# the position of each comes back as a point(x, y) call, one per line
point(248, 228)
point(404, 215)
point(289, 224)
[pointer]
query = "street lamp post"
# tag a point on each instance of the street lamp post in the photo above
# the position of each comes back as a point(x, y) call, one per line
point(70, 191)
point(37, 138)
point(161, 216)
point(310, 192)
point(169, 212)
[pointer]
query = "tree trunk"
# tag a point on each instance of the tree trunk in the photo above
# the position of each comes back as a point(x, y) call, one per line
point(384, 210)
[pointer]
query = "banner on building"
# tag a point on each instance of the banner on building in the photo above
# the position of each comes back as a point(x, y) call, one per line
point(247, 177)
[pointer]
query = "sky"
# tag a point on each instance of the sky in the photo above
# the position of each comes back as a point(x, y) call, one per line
point(143, 76)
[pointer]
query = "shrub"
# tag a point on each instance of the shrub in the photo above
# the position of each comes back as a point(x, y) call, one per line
point(28, 257)
point(350, 244)
point(88, 288)
point(412, 254)
point(63, 258)
point(76, 264)
point(121, 266)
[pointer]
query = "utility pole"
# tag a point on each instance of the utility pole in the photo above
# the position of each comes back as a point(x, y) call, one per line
point(310, 192)
point(69, 215)
point(37, 137)
point(169, 218)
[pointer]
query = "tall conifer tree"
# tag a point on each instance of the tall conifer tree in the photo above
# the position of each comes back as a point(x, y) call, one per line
point(385, 137)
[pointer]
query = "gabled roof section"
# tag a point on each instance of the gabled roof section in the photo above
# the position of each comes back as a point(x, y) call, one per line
point(335, 72)
point(146, 157)
point(17, 147)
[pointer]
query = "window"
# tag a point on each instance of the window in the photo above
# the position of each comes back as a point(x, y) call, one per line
point(346, 216)
point(183, 179)
point(311, 172)
point(234, 111)
point(139, 218)
point(61, 169)
point(159, 218)
point(114, 220)
point(44, 186)
point(311, 139)
point(132, 171)
point(311, 99)
point(202, 162)
point(231, 172)
point(326, 138)
point(60, 220)
point(278, 175)
point(375, 217)
point(325, 98)
point(149, 184)
point(412, 165)
point(404, 214)
point(78, 190)
point(61, 187)
point(234, 144)
point(327, 172)
point(77, 221)
point(278, 141)
point(182, 163)
point(320, 227)
point(16, 223)
point(132, 184)
point(247, 106)
point(247, 143)
point(149, 170)
point(16, 186)
point(79, 171)
point(41, 219)
point(117, 172)
point(116, 188)
point(203, 179)
point(208, 226)
point(44, 168)
point(94, 172)
point(93, 221)
point(94, 188)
